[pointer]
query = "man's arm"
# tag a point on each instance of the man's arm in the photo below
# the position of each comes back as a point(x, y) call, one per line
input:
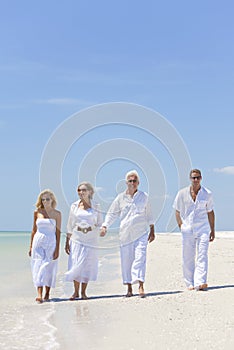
point(178, 218)
point(111, 216)
point(211, 218)
point(151, 236)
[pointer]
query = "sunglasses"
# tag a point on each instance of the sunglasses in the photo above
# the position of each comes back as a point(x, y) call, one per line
point(82, 189)
point(132, 181)
point(46, 199)
point(195, 177)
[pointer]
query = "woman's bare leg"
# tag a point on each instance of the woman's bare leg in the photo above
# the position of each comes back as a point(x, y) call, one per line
point(83, 291)
point(47, 293)
point(76, 290)
point(39, 294)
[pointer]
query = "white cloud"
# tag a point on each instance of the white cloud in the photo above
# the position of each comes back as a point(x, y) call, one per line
point(229, 170)
point(65, 101)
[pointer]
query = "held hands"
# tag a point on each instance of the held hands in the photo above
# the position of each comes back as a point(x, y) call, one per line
point(150, 238)
point(103, 231)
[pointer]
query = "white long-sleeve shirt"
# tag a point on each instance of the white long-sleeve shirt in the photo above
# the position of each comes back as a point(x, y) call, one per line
point(194, 215)
point(134, 213)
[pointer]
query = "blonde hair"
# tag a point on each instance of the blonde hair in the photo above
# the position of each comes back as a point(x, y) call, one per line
point(88, 186)
point(39, 204)
point(132, 173)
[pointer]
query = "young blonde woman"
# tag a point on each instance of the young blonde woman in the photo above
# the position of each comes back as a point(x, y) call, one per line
point(44, 245)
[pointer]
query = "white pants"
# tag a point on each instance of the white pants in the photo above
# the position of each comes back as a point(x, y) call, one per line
point(133, 260)
point(195, 258)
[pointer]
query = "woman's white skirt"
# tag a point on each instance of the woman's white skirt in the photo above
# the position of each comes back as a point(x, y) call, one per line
point(82, 262)
point(44, 268)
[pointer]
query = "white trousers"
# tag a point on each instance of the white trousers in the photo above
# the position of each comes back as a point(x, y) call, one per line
point(195, 258)
point(133, 260)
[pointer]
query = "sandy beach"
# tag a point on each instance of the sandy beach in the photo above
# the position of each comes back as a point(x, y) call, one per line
point(170, 317)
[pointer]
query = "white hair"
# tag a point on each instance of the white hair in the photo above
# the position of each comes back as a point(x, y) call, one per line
point(132, 173)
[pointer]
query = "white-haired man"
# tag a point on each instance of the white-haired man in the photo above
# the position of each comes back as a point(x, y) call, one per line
point(136, 230)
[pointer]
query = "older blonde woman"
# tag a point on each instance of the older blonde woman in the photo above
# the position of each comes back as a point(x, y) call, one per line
point(83, 227)
point(44, 245)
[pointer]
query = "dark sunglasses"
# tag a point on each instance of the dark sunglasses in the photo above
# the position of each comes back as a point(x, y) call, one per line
point(195, 177)
point(45, 199)
point(132, 181)
point(82, 189)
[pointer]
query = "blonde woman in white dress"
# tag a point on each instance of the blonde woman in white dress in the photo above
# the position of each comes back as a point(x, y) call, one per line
point(44, 245)
point(83, 228)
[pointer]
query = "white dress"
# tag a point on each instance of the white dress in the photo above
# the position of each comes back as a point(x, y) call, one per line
point(83, 257)
point(44, 268)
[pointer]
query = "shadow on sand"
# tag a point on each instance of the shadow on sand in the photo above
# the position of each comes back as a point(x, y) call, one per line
point(116, 296)
point(221, 287)
point(152, 294)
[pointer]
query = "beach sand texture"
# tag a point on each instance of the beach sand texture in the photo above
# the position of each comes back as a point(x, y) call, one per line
point(170, 317)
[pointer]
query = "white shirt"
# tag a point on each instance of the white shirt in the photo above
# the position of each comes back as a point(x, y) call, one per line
point(194, 214)
point(84, 218)
point(134, 213)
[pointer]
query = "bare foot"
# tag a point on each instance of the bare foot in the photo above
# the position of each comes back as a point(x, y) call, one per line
point(74, 297)
point(129, 294)
point(39, 300)
point(190, 287)
point(141, 292)
point(46, 297)
point(84, 297)
point(203, 286)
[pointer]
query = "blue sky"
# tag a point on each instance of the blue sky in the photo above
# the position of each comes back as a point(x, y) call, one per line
point(60, 58)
